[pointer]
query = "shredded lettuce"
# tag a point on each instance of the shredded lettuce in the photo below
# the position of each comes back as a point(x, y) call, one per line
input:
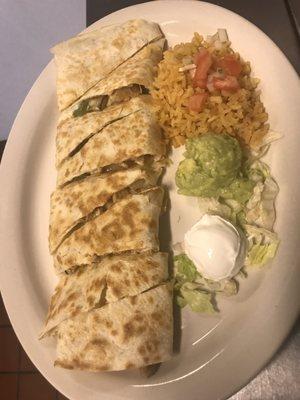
point(226, 287)
point(269, 138)
point(181, 302)
point(198, 301)
point(185, 268)
point(260, 209)
point(196, 291)
point(262, 246)
point(258, 171)
point(260, 254)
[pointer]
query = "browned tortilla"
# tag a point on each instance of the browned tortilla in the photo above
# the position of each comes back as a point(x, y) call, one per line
point(131, 333)
point(107, 281)
point(128, 225)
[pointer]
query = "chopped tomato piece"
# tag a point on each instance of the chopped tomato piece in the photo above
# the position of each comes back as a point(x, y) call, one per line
point(203, 60)
point(196, 102)
point(210, 80)
point(202, 53)
point(199, 82)
point(229, 83)
point(230, 65)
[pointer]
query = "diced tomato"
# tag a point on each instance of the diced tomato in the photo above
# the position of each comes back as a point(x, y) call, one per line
point(230, 65)
point(202, 53)
point(199, 82)
point(210, 80)
point(203, 60)
point(196, 102)
point(229, 83)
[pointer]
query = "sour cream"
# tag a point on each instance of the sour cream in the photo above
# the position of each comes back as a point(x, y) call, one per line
point(216, 247)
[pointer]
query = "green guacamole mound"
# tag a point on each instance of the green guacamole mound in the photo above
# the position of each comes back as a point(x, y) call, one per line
point(213, 168)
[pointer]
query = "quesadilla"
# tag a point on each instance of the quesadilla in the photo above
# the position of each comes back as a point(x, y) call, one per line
point(110, 280)
point(72, 133)
point(112, 308)
point(131, 79)
point(89, 57)
point(125, 140)
point(130, 224)
point(130, 333)
point(73, 204)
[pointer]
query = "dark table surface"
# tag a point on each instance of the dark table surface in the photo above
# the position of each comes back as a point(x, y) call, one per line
point(280, 20)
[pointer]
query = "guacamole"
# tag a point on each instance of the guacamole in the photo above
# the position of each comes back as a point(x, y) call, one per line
point(213, 167)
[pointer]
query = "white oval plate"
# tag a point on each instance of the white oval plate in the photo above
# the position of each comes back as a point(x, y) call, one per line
point(218, 354)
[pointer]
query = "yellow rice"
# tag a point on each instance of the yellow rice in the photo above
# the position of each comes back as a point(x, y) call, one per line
point(241, 114)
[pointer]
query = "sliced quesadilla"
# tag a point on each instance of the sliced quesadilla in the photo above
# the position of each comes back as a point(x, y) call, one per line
point(131, 79)
point(130, 224)
point(74, 132)
point(87, 58)
point(130, 333)
point(120, 143)
point(74, 204)
point(110, 280)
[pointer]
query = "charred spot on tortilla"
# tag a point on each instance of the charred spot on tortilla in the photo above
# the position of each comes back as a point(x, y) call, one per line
point(99, 342)
point(116, 291)
point(129, 365)
point(118, 186)
point(113, 231)
point(108, 323)
point(132, 300)
point(80, 62)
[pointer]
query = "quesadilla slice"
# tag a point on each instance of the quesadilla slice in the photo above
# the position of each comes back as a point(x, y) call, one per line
point(73, 133)
point(74, 204)
point(87, 58)
point(130, 224)
point(118, 144)
point(133, 78)
point(112, 279)
point(130, 333)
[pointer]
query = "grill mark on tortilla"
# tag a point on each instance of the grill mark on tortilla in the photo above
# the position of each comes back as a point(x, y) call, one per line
point(99, 342)
point(133, 300)
point(149, 350)
point(108, 323)
point(80, 145)
point(101, 209)
point(129, 365)
point(99, 258)
point(108, 76)
point(111, 168)
point(135, 325)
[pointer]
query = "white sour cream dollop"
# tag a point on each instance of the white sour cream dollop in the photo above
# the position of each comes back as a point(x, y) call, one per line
point(216, 247)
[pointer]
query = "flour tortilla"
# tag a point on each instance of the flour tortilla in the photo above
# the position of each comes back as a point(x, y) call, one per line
point(130, 224)
point(130, 333)
point(74, 203)
point(140, 70)
point(89, 57)
point(72, 132)
point(136, 135)
point(110, 280)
